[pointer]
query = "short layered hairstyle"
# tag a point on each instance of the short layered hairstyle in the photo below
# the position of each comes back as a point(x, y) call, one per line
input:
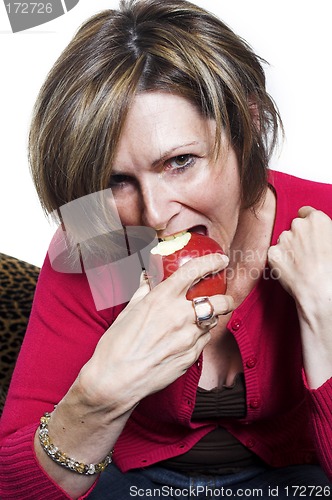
point(145, 46)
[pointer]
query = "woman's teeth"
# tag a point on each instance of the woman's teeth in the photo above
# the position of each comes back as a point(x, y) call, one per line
point(173, 236)
point(194, 229)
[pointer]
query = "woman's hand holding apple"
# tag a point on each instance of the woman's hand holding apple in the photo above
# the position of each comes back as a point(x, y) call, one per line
point(154, 340)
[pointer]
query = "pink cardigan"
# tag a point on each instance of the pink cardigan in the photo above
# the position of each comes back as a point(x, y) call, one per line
point(286, 422)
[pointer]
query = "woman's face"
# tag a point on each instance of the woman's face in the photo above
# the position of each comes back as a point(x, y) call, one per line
point(164, 174)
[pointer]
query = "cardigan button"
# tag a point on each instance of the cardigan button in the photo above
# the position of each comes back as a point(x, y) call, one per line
point(250, 443)
point(251, 362)
point(235, 325)
point(255, 403)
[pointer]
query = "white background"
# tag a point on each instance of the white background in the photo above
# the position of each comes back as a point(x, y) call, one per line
point(294, 36)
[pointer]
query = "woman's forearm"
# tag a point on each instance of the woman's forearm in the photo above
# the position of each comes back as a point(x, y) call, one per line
point(316, 333)
point(302, 260)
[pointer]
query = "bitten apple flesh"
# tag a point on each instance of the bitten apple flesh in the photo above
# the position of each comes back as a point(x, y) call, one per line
point(180, 249)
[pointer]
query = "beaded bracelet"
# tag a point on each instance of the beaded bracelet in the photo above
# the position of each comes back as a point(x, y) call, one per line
point(61, 458)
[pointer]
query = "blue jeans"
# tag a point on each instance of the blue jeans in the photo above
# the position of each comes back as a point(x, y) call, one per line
point(299, 481)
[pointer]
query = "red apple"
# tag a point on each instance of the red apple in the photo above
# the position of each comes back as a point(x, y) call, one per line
point(172, 253)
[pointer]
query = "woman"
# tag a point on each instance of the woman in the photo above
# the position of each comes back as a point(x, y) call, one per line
point(163, 109)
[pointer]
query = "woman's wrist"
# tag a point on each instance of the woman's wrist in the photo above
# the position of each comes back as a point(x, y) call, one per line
point(112, 401)
point(316, 334)
point(83, 431)
point(62, 458)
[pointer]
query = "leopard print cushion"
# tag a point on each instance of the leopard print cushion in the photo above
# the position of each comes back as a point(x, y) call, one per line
point(17, 285)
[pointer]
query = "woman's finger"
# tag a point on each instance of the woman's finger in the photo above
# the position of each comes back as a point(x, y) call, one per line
point(194, 270)
point(305, 211)
point(223, 304)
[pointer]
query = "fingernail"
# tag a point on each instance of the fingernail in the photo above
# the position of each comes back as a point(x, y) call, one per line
point(143, 277)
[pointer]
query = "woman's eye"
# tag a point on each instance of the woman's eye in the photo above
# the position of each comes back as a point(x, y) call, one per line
point(181, 162)
point(118, 180)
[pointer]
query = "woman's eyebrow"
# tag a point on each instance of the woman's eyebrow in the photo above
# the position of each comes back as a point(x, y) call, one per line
point(167, 154)
point(170, 151)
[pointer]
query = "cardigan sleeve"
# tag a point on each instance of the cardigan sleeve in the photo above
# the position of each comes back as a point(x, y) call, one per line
point(320, 404)
point(294, 193)
point(63, 330)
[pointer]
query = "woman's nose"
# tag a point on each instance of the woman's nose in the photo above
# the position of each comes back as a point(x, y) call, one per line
point(159, 207)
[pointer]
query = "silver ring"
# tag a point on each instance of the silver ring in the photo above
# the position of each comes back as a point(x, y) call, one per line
point(204, 312)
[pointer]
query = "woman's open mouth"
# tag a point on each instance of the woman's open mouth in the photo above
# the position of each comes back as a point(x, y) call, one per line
point(198, 230)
